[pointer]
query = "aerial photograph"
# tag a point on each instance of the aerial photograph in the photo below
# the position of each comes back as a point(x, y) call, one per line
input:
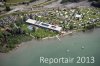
point(49, 32)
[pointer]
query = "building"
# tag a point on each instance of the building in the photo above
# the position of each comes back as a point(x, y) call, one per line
point(44, 25)
point(78, 16)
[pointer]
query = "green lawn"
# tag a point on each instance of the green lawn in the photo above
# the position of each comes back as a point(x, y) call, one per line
point(42, 33)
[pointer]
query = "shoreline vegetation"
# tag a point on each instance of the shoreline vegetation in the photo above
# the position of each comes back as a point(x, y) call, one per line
point(14, 30)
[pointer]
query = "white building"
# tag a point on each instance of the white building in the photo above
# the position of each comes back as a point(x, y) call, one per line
point(44, 25)
point(78, 16)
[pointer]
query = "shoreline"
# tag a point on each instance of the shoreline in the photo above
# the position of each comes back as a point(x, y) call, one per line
point(25, 44)
point(70, 45)
point(57, 36)
point(46, 38)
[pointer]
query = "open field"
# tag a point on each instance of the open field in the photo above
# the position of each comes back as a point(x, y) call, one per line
point(16, 1)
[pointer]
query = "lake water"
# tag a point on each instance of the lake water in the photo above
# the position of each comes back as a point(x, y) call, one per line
point(79, 44)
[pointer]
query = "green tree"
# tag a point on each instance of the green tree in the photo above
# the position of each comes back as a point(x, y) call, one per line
point(7, 8)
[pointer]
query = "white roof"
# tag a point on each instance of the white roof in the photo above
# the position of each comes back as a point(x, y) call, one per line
point(31, 21)
point(77, 15)
point(57, 28)
point(45, 25)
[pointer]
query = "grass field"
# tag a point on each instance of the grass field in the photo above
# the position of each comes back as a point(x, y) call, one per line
point(16, 1)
